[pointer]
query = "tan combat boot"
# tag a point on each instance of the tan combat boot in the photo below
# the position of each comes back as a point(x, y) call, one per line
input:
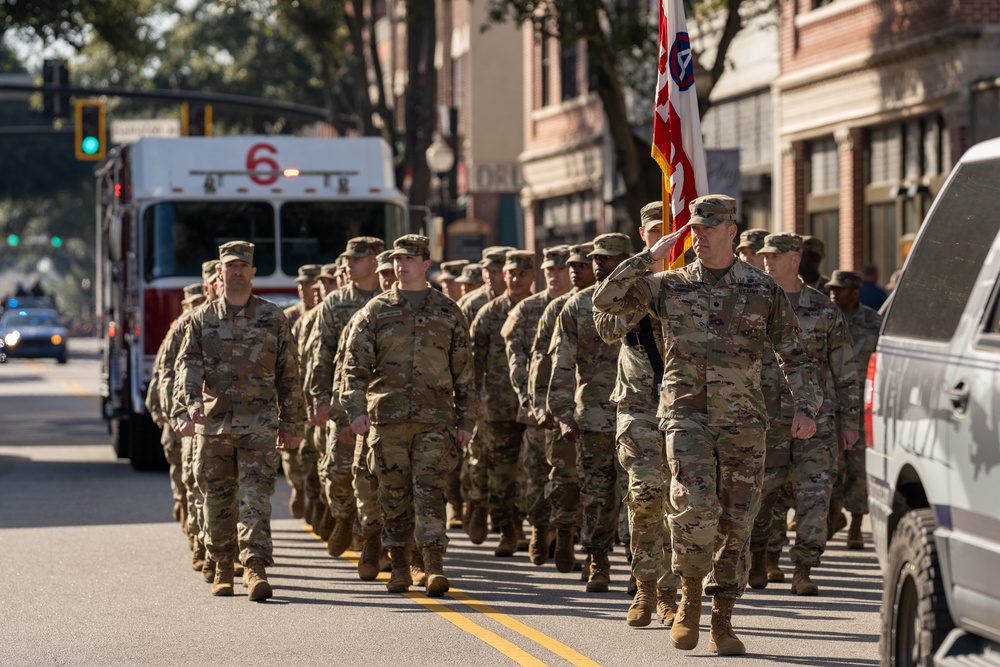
point(854, 538)
point(600, 573)
point(522, 540)
point(640, 612)
point(297, 503)
point(208, 570)
point(666, 605)
point(418, 573)
point(384, 562)
point(368, 565)
point(632, 587)
point(565, 557)
point(399, 581)
point(258, 588)
point(340, 538)
point(222, 583)
point(585, 569)
point(437, 583)
point(684, 631)
point(198, 557)
point(774, 573)
point(721, 638)
point(538, 548)
point(326, 524)
point(456, 520)
point(758, 570)
point(801, 583)
point(475, 522)
point(835, 520)
point(508, 541)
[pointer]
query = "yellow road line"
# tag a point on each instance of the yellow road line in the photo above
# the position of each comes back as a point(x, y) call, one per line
point(508, 648)
point(540, 638)
point(73, 388)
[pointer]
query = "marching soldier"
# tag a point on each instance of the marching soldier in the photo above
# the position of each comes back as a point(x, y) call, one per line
point(450, 272)
point(751, 241)
point(238, 374)
point(518, 333)
point(716, 314)
point(581, 360)
point(471, 279)
point(411, 341)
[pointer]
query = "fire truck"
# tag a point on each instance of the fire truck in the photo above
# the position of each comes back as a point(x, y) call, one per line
point(164, 206)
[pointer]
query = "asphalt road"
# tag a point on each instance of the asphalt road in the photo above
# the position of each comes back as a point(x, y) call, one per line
point(95, 572)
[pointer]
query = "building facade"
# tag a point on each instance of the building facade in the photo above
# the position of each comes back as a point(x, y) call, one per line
point(875, 102)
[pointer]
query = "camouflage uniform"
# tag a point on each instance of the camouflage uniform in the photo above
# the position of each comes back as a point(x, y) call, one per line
point(519, 332)
point(394, 353)
point(711, 406)
point(240, 366)
point(864, 324)
point(300, 320)
point(500, 428)
point(811, 463)
point(584, 362)
point(335, 313)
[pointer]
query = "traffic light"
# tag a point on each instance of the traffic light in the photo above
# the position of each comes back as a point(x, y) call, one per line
point(196, 119)
point(90, 130)
point(13, 240)
point(55, 104)
point(56, 242)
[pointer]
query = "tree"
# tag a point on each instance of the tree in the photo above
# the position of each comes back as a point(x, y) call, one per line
point(123, 24)
point(621, 43)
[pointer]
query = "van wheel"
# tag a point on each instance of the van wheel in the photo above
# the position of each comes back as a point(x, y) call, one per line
point(915, 617)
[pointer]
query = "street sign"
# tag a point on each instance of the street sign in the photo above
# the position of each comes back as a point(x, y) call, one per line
point(130, 131)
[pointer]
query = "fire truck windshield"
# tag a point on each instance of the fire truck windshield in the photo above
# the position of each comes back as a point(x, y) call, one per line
point(179, 236)
point(316, 232)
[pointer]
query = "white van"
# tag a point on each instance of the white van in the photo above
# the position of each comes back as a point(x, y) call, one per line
point(932, 410)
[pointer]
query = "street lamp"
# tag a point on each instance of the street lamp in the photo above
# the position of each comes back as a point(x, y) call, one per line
point(440, 157)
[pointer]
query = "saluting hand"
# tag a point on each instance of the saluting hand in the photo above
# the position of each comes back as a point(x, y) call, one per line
point(662, 247)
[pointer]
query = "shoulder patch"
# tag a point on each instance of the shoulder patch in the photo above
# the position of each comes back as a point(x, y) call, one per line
point(388, 314)
point(514, 314)
point(360, 317)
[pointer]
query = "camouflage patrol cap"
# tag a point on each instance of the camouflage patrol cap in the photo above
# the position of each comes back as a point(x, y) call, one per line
point(472, 274)
point(753, 239)
point(814, 245)
point(580, 254)
point(556, 256)
point(411, 244)
point(712, 210)
point(845, 279)
point(363, 246)
point(612, 244)
point(210, 271)
point(494, 257)
point(193, 293)
point(520, 260)
point(384, 260)
point(452, 270)
point(308, 273)
point(651, 215)
point(236, 251)
point(776, 244)
point(328, 271)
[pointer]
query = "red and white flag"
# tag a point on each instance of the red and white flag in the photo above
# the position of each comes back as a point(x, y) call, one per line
point(677, 143)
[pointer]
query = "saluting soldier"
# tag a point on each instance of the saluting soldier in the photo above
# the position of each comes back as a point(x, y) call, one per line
point(239, 377)
point(586, 416)
point(518, 333)
point(411, 341)
point(563, 488)
point(716, 314)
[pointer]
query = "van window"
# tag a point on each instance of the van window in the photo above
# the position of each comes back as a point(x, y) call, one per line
point(947, 258)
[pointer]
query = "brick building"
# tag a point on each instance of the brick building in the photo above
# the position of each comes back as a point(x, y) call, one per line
point(876, 101)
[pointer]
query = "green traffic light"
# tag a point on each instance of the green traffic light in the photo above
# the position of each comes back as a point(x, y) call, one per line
point(90, 145)
point(13, 240)
point(56, 242)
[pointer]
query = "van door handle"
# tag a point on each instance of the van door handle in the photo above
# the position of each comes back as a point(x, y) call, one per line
point(959, 396)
